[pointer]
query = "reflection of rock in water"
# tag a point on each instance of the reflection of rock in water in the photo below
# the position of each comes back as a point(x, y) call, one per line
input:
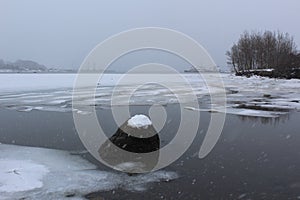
point(137, 135)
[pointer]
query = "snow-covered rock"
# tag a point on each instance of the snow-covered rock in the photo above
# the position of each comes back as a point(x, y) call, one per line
point(126, 149)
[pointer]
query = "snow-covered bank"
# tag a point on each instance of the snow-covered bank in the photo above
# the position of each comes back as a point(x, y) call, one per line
point(38, 173)
point(255, 96)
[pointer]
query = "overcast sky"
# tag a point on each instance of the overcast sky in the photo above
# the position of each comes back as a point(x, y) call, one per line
point(60, 33)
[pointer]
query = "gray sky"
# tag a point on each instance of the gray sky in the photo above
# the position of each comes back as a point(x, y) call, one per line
point(60, 33)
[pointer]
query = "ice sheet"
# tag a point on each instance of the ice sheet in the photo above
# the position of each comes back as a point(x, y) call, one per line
point(262, 96)
point(38, 173)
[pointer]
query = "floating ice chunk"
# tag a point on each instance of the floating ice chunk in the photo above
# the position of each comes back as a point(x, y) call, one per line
point(28, 108)
point(81, 112)
point(254, 113)
point(139, 121)
point(25, 109)
point(242, 112)
point(58, 101)
point(190, 108)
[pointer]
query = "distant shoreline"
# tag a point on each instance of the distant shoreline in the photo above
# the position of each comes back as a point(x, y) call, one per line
point(75, 72)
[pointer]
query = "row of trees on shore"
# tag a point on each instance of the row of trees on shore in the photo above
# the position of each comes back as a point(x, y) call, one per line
point(264, 51)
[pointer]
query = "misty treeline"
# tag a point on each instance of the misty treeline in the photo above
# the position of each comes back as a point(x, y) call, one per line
point(257, 51)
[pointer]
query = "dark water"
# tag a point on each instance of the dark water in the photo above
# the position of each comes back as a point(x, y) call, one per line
point(255, 158)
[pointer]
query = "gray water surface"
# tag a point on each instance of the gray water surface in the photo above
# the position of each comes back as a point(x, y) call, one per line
point(255, 158)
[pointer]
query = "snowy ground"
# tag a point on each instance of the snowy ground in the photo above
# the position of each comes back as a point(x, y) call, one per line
point(37, 173)
point(255, 96)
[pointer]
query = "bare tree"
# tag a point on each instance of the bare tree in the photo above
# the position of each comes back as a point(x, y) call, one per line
point(267, 50)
